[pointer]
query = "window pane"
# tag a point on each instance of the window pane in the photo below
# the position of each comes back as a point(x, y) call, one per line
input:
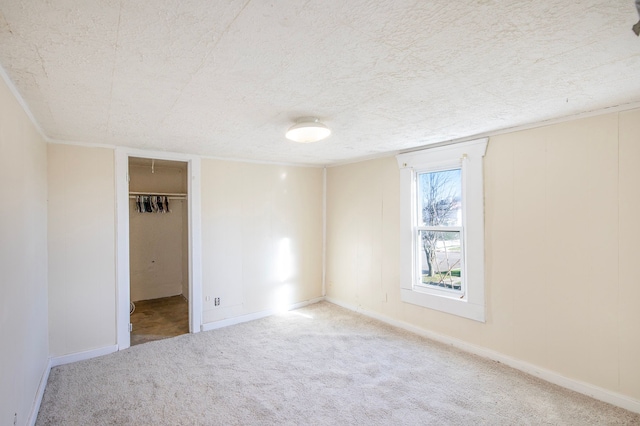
point(440, 198)
point(440, 259)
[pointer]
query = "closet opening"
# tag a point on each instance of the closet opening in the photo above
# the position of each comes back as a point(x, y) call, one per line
point(158, 249)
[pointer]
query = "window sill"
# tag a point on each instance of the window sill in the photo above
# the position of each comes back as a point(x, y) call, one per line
point(451, 304)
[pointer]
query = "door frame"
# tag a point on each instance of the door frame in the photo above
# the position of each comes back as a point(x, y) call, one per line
point(123, 337)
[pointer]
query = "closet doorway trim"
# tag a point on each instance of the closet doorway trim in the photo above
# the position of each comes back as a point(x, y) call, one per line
point(123, 337)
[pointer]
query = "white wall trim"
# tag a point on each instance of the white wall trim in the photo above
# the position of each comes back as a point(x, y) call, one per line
point(123, 338)
point(122, 238)
point(81, 356)
point(584, 388)
point(324, 231)
point(497, 132)
point(265, 162)
point(35, 408)
point(83, 144)
point(208, 157)
point(16, 94)
point(256, 315)
point(371, 157)
point(195, 246)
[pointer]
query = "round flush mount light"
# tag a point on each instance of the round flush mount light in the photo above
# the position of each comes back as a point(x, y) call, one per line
point(308, 129)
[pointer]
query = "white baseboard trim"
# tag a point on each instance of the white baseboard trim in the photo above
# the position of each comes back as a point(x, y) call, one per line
point(256, 315)
point(35, 408)
point(584, 388)
point(81, 356)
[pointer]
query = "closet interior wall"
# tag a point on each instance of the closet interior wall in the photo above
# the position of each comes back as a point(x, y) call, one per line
point(158, 241)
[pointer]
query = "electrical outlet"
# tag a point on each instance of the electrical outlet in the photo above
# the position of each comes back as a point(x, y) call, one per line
point(15, 419)
point(216, 301)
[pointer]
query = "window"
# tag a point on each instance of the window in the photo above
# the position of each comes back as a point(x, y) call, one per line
point(439, 229)
point(442, 224)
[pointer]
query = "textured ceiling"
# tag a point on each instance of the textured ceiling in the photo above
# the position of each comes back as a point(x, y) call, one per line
point(227, 78)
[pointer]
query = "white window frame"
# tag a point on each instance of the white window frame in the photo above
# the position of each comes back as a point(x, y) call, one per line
point(467, 156)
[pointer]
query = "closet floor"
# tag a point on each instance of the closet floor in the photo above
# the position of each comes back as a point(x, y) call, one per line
point(158, 319)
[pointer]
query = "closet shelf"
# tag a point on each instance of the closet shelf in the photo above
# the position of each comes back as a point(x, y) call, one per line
point(168, 194)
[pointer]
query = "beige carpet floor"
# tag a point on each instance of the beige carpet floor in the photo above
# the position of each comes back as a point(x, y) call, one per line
point(319, 365)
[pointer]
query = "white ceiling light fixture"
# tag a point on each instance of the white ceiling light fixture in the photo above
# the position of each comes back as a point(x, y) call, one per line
point(308, 129)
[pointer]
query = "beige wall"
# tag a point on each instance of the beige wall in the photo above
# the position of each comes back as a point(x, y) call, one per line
point(23, 260)
point(363, 214)
point(624, 305)
point(81, 249)
point(261, 237)
point(261, 233)
point(561, 222)
point(158, 262)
